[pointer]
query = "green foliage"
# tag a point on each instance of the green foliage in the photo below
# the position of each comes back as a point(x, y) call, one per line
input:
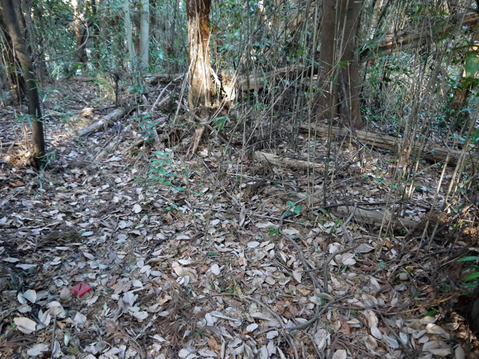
point(294, 209)
point(472, 279)
point(472, 65)
point(219, 122)
point(273, 231)
point(159, 169)
point(147, 127)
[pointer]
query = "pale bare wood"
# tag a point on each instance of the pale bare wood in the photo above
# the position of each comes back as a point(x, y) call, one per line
point(256, 81)
point(432, 152)
point(103, 123)
point(373, 217)
point(285, 161)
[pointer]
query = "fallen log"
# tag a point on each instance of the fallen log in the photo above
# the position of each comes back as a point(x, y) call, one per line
point(373, 217)
point(154, 79)
point(256, 81)
point(103, 123)
point(430, 153)
point(285, 161)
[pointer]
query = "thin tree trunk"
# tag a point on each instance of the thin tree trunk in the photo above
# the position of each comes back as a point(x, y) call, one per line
point(326, 98)
point(129, 36)
point(13, 71)
point(32, 44)
point(80, 39)
point(97, 24)
point(349, 59)
point(144, 34)
point(21, 53)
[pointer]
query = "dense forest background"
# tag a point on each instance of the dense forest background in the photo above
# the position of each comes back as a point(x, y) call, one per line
point(271, 179)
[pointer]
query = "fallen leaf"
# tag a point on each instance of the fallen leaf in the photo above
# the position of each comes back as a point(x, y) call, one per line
point(25, 325)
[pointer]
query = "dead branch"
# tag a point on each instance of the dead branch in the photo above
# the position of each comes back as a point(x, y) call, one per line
point(285, 161)
point(433, 153)
point(373, 217)
point(103, 123)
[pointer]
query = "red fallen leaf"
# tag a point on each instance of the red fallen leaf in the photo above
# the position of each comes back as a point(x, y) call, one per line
point(245, 160)
point(345, 326)
point(81, 289)
point(201, 269)
point(366, 269)
point(240, 276)
point(253, 228)
point(16, 184)
point(280, 307)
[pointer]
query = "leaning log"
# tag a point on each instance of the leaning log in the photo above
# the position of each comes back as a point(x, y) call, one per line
point(412, 38)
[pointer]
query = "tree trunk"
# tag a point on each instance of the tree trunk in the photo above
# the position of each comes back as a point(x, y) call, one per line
point(35, 46)
point(328, 88)
point(339, 72)
point(455, 115)
point(144, 34)
point(15, 81)
point(201, 85)
point(21, 53)
point(80, 39)
point(97, 24)
point(129, 36)
point(350, 78)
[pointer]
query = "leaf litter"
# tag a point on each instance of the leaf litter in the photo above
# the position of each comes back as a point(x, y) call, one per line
point(211, 267)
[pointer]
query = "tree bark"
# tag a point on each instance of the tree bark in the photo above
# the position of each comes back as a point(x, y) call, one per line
point(349, 59)
point(201, 85)
point(21, 53)
point(339, 72)
point(328, 88)
point(97, 24)
point(35, 46)
point(144, 34)
point(129, 35)
point(81, 51)
point(15, 81)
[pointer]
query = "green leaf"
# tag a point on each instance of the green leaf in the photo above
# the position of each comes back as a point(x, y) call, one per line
point(471, 277)
point(466, 259)
point(472, 65)
point(289, 203)
point(430, 313)
point(298, 209)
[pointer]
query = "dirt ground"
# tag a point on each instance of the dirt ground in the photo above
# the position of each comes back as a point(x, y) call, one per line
point(220, 255)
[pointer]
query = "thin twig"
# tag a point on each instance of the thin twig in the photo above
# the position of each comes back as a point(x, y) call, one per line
point(319, 312)
point(203, 123)
point(53, 335)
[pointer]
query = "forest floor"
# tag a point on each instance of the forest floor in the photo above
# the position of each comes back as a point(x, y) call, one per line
point(233, 259)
